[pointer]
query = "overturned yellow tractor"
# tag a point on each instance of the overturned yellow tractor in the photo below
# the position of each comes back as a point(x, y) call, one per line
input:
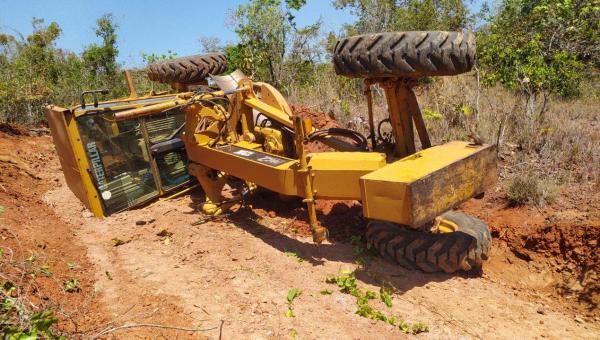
point(245, 131)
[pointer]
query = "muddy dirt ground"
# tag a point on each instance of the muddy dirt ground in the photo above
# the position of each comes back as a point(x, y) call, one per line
point(230, 277)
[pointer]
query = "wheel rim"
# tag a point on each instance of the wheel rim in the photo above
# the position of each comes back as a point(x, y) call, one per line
point(443, 226)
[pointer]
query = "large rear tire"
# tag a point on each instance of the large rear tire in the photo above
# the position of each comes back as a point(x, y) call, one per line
point(464, 249)
point(405, 54)
point(187, 70)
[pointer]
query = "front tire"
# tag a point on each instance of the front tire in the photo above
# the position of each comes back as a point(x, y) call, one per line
point(464, 249)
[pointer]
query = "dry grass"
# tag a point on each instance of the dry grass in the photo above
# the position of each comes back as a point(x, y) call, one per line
point(538, 153)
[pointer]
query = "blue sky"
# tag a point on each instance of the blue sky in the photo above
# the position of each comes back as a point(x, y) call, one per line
point(150, 26)
point(147, 26)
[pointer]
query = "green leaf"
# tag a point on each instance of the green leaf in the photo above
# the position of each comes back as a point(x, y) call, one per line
point(404, 326)
point(386, 296)
point(292, 294)
point(419, 327)
point(2, 209)
point(71, 286)
point(326, 292)
point(46, 271)
point(290, 313)
point(294, 255)
point(118, 242)
point(42, 321)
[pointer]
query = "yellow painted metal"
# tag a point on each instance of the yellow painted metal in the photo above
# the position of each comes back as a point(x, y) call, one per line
point(145, 110)
point(272, 139)
point(306, 177)
point(175, 195)
point(274, 113)
point(212, 183)
point(272, 97)
point(442, 225)
point(337, 174)
point(73, 159)
point(417, 188)
point(130, 84)
point(128, 103)
point(281, 178)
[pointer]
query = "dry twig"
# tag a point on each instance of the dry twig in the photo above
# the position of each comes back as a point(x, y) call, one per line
point(150, 325)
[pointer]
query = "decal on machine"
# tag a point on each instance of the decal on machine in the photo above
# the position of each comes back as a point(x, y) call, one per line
point(257, 156)
point(97, 166)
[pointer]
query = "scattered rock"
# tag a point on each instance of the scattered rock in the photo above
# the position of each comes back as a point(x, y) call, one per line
point(541, 310)
point(164, 233)
point(141, 222)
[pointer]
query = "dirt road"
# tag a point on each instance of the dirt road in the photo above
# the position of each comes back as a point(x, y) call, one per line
point(231, 277)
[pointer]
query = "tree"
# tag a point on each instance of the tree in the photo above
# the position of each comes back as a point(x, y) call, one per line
point(28, 71)
point(267, 32)
point(102, 59)
point(406, 15)
point(210, 44)
point(540, 47)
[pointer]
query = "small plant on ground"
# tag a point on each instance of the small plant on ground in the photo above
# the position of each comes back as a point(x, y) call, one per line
point(362, 255)
point(293, 255)
point(522, 190)
point(529, 189)
point(18, 322)
point(347, 284)
point(419, 327)
point(385, 294)
point(37, 325)
point(46, 271)
point(292, 294)
point(71, 286)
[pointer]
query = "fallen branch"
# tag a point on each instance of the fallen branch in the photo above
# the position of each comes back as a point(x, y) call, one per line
point(150, 325)
point(221, 329)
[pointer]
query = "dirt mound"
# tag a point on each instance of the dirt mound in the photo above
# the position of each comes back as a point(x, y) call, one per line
point(40, 257)
point(319, 120)
point(568, 247)
point(571, 250)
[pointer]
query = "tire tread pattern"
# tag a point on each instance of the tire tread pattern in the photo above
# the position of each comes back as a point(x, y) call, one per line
point(405, 54)
point(187, 70)
point(465, 249)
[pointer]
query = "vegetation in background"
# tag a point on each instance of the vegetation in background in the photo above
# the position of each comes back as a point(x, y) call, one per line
point(410, 15)
point(271, 46)
point(34, 72)
point(541, 48)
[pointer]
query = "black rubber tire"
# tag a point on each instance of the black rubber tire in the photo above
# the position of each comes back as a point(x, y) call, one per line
point(405, 54)
point(187, 70)
point(464, 249)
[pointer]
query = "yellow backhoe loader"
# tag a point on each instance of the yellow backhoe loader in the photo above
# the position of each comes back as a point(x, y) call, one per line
point(244, 131)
